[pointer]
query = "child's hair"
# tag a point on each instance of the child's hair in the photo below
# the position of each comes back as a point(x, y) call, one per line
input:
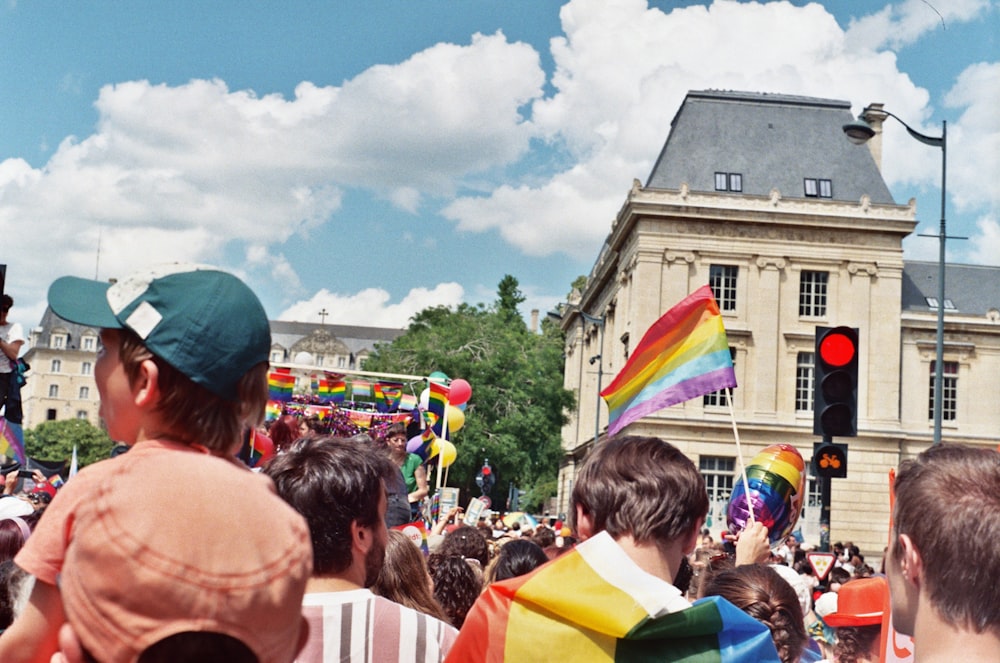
point(190, 412)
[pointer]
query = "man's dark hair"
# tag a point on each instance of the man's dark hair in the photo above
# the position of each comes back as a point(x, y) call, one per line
point(7, 303)
point(332, 482)
point(643, 487)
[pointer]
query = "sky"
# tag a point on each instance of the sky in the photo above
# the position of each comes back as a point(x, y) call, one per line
point(371, 159)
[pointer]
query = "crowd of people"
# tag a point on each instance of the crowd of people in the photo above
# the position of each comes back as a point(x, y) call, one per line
point(175, 551)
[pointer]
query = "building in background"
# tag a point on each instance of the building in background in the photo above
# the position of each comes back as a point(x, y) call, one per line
point(62, 357)
point(763, 197)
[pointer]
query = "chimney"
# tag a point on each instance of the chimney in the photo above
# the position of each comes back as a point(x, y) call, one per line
point(534, 321)
point(875, 116)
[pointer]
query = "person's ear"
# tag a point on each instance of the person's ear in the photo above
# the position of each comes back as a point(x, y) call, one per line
point(910, 563)
point(361, 537)
point(303, 636)
point(146, 387)
point(691, 540)
point(584, 524)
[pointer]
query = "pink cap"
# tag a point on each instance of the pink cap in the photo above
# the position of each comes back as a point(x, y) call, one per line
point(180, 541)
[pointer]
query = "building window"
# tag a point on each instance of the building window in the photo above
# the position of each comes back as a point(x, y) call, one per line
point(717, 471)
point(50, 414)
point(720, 397)
point(56, 365)
point(320, 360)
point(805, 371)
point(89, 343)
point(814, 492)
point(341, 362)
point(729, 182)
point(84, 393)
point(53, 391)
point(815, 188)
point(812, 293)
point(722, 280)
point(86, 368)
point(277, 355)
point(949, 391)
point(932, 302)
point(58, 341)
point(81, 414)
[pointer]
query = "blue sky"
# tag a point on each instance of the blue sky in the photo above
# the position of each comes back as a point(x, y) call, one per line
point(376, 158)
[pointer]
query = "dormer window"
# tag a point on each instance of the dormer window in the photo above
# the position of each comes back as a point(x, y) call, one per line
point(57, 341)
point(816, 188)
point(729, 182)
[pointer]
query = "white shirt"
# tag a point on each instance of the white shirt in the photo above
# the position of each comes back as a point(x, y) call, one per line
point(9, 333)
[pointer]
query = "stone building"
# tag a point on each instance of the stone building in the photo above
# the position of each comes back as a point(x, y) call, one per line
point(62, 357)
point(763, 197)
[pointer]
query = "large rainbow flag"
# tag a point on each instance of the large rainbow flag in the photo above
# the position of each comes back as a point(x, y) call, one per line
point(684, 354)
point(437, 403)
point(280, 384)
point(594, 604)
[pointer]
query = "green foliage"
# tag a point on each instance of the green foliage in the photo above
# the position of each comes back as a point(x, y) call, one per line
point(54, 440)
point(518, 404)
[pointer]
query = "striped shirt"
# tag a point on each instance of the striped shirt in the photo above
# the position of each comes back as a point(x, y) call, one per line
point(358, 627)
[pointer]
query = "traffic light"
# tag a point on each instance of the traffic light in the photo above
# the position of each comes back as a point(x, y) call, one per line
point(830, 460)
point(485, 478)
point(835, 385)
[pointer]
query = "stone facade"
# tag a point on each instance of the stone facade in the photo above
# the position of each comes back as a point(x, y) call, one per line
point(671, 237)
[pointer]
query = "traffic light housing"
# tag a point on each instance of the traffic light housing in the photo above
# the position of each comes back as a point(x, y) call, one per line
point(835, 384)
point(829, 460)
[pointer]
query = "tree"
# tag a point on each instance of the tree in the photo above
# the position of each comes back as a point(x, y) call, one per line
point(518, 405)
point(54, 440)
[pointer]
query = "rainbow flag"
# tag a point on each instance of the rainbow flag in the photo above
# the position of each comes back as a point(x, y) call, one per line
point(12, 440)
point(684, 354)
point(272, 410)
point(338, 390)
point(407, 402)
point(437, 401)
point(361, 388)
point(594, 604)
point(280, 383)
point(387, 396)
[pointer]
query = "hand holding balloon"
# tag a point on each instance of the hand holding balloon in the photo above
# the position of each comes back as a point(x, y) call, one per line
point(753, 546)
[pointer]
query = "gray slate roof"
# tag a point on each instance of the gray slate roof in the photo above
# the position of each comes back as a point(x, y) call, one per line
point(773, 140)
point(973, 289)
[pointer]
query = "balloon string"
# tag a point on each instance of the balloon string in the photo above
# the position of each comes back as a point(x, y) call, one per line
point(739, 454)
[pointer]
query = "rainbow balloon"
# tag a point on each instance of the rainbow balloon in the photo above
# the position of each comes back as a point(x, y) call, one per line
point(777, 482)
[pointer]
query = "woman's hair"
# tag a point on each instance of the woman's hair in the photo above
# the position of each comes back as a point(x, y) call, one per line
point(456, 587)
point(189, 411)
point(13, 533)
point(465, 541)
point(856, 643)
point(404, 577)
point(283, 432)
point(764, 595)
point(517, 558)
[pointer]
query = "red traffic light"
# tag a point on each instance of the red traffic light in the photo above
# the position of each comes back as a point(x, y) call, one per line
point(487, 471)
point(838, 347)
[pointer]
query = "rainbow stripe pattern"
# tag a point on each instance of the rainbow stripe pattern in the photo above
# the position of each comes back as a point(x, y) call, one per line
point(12, 440)
point(683, 355)
point(361, 388)
point(437, 401)
point(594, 604)
point(280, 384)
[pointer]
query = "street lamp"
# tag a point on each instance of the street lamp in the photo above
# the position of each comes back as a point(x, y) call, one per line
point(859, 132)
point(600, 371)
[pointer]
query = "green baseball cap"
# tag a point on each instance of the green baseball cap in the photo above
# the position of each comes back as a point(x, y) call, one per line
point(204, 322)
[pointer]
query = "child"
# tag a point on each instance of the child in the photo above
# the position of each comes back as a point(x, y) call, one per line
point(172, 537)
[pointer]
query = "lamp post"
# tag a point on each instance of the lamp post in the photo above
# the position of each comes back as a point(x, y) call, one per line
point(600, 370)
point(859, 132)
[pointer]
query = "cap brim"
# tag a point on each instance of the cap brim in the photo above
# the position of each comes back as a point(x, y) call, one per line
point(82, 301)
point(836, 620)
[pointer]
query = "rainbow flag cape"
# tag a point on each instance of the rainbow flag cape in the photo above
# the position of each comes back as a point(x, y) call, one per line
point(594, 604)
point(437, 401)
point(12, 440)
point(280, 383)
point(683, 355)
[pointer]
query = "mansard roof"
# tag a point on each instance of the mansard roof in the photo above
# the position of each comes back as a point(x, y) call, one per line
point(774, 141)
point(972, 289)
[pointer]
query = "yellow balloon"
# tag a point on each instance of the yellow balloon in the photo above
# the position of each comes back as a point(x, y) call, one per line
point(456, 418)
point(448, 453)
point(434, 449)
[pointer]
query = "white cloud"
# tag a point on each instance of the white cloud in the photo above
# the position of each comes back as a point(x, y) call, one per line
point(902, 24)
point(974, 140)
point(372, 307)
point(985, 244)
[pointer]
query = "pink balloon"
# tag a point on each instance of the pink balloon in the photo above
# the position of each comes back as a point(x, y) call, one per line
point(414, 444)
point(460, 391)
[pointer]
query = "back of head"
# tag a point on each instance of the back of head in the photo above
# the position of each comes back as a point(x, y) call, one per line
point(640, 486)
point(206, 330)
point(198, 647)
point(404, 577)
point(947, 502)
point(332, 482)
point(233, 561)
point(764, 595)
point(517, 558)
point(456, 588)
point(465, 541)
